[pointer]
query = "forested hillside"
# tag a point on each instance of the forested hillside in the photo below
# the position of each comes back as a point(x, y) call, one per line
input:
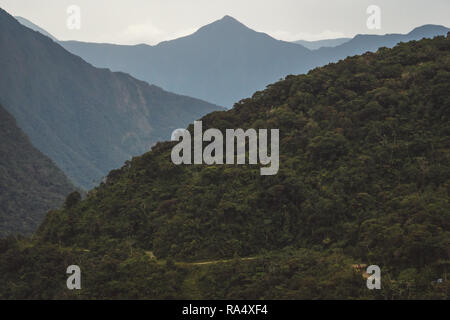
point(364, 178)
point(30, 183)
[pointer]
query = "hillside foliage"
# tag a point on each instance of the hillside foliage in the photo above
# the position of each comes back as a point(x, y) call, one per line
point(364, 178)
point(30, 183)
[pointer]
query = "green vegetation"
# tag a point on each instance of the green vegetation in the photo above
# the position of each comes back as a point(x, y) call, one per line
point(364, 178)
point(30, 183)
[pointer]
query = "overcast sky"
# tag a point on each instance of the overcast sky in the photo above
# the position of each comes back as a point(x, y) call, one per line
point(152, 21)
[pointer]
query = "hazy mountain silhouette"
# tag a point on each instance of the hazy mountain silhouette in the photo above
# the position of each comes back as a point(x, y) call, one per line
point(221, 62)
point(87, 120)
point(313, 45)
point(30, 183)
point(363, 43)
point(226, 61)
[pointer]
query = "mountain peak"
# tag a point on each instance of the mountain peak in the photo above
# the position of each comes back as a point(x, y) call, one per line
point(227, 24)
point(228, 18)
point(429, 29)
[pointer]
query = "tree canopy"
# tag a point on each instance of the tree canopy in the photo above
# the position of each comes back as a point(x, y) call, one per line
point(364, 178)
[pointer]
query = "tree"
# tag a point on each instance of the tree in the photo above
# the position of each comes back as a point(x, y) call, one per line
point(72, 199)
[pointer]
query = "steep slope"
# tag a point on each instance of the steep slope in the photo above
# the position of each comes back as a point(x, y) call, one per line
point(87, 120)
point(364, 177)
point(30, 183)
point(27, 23)
point(225, 61)
point(363, 130)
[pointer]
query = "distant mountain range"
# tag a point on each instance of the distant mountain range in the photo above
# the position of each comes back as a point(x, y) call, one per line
point(221, 62)
point(313, 45)
point(87, 120)
point(225, 61)
point(30, 183)
point(364, 42)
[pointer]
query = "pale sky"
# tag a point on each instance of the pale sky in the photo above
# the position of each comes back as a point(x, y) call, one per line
point(152, 21)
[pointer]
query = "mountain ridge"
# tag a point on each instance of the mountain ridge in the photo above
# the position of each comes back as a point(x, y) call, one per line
point(30, 183)
point(314, 45)
point(184, 65)
point(225, 61)
point(27, 23)
point(88, 120)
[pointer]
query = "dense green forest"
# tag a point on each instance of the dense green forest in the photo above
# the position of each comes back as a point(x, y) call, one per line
point(364, 178)
point(30, 183)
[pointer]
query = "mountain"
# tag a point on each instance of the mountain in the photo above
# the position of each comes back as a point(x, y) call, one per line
point(363, 43)
point(313, 45)
point(32, 26)
point(222, 62)
point(225, 61)
point(30, 183)
point(364, 179)
point(87, 120)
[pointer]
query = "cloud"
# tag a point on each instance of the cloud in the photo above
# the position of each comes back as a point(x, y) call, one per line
point(141, 33)
point(288, 36)
point(148, 33)
point(182, 33)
